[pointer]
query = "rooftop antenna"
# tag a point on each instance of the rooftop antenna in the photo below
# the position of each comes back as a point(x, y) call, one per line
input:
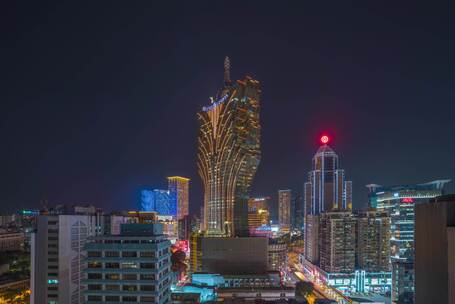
point(227, 70)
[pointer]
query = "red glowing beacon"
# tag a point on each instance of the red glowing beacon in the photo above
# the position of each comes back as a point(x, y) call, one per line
point(324, 139)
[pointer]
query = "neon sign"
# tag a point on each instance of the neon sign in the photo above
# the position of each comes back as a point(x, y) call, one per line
point(214, 104)
point(407, 200)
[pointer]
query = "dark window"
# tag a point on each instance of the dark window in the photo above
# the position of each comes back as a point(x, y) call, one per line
point(112, 298)
point(129, 254)
point(147, 254)
point(148, 265)
point(111, 254)
point(147, 287)
point(95, 298)
point(129, 299)
point(94, 287)
point(112, 265)
point(147, 277)
point(129, 277)
point(129, 287)
point(148, 299)
point(94, 276)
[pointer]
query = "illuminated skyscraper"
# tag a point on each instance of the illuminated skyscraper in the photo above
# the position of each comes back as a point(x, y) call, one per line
point(284, 208)
point(229, 154)
point(327, 188)
point(178, 187)
point(325, 191)
point(399, 202)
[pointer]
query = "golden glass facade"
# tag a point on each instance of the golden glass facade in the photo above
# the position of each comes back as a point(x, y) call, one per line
point(229, 154)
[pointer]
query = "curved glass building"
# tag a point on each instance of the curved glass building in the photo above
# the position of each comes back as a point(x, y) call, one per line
point(229, 154)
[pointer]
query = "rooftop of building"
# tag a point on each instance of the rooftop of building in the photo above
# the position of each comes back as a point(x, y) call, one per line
point(326, 149)
point(432, 185)
point(444, 198)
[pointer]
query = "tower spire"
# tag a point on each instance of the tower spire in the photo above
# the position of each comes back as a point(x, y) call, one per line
point(227, 70)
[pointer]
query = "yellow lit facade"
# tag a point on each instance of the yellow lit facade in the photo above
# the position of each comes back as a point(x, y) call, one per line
point(180, 187)
point(229, 154)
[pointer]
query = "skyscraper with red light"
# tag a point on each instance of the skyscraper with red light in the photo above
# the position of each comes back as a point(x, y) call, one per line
point(326, 190)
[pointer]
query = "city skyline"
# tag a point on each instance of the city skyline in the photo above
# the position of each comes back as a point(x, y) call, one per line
point(123, 117)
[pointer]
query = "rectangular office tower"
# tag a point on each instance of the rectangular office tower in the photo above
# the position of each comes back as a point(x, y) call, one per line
point(435, 251)
point(179, 189)
point(57, 257)
point(131, 267)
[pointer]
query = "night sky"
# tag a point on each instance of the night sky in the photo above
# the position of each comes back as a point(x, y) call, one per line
point(98, 99)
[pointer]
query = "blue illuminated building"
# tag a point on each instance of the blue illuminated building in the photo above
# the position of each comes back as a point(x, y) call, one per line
point(161, 201)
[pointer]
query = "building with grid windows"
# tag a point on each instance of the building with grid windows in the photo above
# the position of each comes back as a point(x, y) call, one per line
point(399, 202)
point(131, 267)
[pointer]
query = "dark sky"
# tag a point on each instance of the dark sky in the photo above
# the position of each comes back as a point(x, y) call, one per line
point(99, 98)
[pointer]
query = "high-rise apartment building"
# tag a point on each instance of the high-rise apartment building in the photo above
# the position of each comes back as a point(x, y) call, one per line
point(133, 266)
point(337, 245)
point(179, 188)
point(284, 208)
point(326, 190)
point(297, 213)
point(435, 251)
point(311, 244)
point(57, 257)
point(373, 241)
point(229, 154)
point(399, 202)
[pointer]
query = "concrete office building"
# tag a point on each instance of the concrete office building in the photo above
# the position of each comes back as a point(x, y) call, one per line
point(11, 240)
point(133, 266)
point(435, 251)
point(57, 257)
